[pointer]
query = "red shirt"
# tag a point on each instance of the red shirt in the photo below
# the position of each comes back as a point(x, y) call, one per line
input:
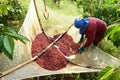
point(95, 31)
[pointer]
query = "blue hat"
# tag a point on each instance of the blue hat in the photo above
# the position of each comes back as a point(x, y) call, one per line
point(82, 24)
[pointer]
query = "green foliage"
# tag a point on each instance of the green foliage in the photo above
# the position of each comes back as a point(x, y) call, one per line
point(12, 10)
point(106, 72)
point(109, 73)
point(115, 75)
point(58, 77)
point(7, 36)
point(107, 13)
point(107, 10)
point(83, 3)
point(108, 47)
point(76, 76)
point(3, 9)
point(89, 76)
point(113, 34)
point(8, 44)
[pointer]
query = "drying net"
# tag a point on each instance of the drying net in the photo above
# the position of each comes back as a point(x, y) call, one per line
point(49, 63)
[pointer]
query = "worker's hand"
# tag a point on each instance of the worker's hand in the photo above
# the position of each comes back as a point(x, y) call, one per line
point(80, 44)
point(80, 50)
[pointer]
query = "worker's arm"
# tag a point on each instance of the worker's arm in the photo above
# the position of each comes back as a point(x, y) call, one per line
point(90, 35)
point(90, 39)
point(81, 49)
point(88, 42)
point(81, 39)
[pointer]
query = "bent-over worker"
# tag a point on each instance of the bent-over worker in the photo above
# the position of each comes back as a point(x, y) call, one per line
point(93, 29)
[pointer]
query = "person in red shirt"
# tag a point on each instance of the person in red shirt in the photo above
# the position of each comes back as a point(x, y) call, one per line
point(93, 29)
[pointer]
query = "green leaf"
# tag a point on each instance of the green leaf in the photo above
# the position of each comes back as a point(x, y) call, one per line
point(8, 43)
point(115, 75)
point(107, 34)
point(9, 55)
point(113, 33)
point(116, 36)
point(12, 30)
point(18, 36)
point(106, 72)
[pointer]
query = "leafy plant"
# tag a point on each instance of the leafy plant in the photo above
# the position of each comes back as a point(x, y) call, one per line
point(109, 73)
point(113, 34)
point(115, 75)
point(7, 36)
point(107, 13)
point(108, 47)
point(12, 10)
point(106, 72)
point(89, 76)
